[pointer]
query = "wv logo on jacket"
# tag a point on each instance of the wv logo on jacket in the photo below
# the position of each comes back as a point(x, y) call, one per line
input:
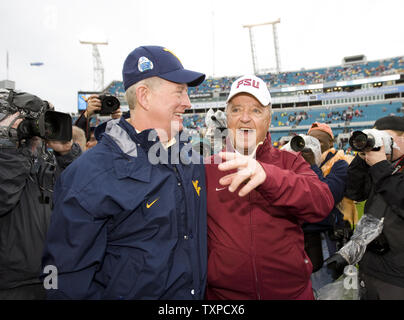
point(197, 189)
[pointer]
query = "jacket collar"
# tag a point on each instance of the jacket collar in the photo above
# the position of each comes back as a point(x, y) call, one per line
point(130, 159)
point(265, 147)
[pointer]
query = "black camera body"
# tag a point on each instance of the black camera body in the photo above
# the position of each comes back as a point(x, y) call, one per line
point(109, 104)
point(38, 118)
point(51, 125)
point(370, 140)
point(341, 234)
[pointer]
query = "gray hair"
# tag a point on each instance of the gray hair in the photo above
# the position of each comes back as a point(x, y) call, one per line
point(130, 93)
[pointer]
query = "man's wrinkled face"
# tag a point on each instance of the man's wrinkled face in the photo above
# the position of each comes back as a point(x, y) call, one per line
point(248, 121)
point(168, 103)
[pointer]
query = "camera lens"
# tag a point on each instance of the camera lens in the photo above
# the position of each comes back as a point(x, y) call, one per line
point(360, 141)
point(49, 129)
point(109, 104)
point(297, 143)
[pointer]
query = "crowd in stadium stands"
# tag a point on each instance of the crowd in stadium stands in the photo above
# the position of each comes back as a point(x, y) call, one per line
point(302, 77)
point(194, 121)
point(350, 113)
point(116, 88)
point(305, 77)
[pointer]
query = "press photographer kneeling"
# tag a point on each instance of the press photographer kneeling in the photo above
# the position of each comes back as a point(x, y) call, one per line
point(377, 175)
point(28, 171)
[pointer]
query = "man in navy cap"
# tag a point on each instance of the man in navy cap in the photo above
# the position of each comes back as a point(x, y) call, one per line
point(130, 216)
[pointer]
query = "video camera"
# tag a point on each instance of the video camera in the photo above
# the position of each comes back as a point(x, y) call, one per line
point(109, 104)
point(371, 140)
point(304, 143)
point(298, 144)
point(38, 118)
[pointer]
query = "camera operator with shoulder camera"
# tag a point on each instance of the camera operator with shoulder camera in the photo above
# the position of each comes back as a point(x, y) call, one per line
point(322, 239)
point(376, 175)
point(98, 104)
point(28, 171)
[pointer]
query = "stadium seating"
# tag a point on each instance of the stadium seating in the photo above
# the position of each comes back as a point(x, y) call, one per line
point(305, 77)
point(292, 78)
point(358, 113)
point(297, 121)
point(115, 88)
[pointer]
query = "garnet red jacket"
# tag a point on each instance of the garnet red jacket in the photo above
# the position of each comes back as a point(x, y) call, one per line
point(255, 243)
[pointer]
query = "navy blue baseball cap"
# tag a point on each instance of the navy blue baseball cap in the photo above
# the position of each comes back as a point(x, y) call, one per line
point(155, 61)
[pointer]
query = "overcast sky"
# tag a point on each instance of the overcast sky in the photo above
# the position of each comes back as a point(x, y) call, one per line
point(207, 35)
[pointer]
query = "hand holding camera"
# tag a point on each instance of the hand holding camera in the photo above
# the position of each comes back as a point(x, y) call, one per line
point(26, 116)
point(371, 140)
point(104, 105)
point(93, 106)
point(372, 145)
point(308, 155)
point(373, 157)
point(8, 130)
point(9, 120)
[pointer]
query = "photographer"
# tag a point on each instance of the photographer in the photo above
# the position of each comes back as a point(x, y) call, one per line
point(28, 171)
point(378, 178)
point(324, 238)
point(95, 106)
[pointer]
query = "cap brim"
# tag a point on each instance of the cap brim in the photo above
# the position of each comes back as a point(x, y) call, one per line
point(264, 102)
point(191, 78)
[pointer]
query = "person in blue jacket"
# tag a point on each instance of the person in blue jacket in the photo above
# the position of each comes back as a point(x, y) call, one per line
point(130, 215)
point(324, 238)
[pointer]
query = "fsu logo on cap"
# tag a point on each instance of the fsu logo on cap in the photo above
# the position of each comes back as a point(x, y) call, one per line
point(248, 83)
point(144, 64)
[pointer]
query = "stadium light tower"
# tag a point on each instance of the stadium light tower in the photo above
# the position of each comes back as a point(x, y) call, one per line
point(276, 44)
point(98, 67)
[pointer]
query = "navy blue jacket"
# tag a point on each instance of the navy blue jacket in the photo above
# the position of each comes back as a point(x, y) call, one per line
point(124, 228)
point(336, 181)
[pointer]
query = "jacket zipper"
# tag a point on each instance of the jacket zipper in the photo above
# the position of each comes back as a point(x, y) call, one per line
point(253, 251)
point(184, 232)
point(186, 235)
